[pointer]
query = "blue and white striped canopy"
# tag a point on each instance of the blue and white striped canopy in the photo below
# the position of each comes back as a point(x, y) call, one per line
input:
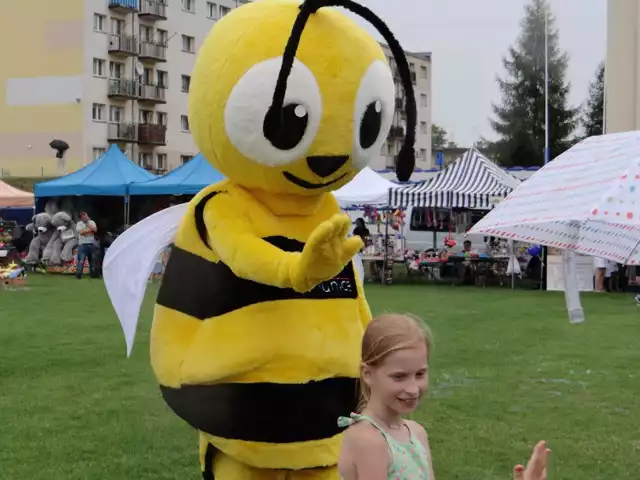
point(473, 181)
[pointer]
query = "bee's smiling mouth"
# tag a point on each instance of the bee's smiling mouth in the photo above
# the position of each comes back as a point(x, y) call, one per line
point(323, 166)
point(308, 185)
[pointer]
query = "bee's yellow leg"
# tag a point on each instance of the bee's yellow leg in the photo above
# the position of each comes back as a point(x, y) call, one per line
point(330, 473)
point(226, 468)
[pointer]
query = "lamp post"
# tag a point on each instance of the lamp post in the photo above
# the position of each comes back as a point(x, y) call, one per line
point(61, 147)
point(546, 86)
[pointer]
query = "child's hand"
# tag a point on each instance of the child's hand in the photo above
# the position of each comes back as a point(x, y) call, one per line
point(537, 466)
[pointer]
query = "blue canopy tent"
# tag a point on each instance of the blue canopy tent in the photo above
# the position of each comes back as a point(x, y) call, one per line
point(187, 179)
point(110, 175)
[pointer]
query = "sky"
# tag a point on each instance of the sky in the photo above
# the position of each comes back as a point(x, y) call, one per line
point(469, 38)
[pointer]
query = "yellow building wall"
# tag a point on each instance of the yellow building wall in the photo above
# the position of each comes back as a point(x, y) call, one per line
point(40, 40)
point(622, 74)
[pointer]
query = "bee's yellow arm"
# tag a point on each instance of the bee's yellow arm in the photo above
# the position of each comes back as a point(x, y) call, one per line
point(231, 236)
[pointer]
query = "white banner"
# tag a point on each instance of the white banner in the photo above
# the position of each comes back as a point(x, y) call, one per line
point(583, 269)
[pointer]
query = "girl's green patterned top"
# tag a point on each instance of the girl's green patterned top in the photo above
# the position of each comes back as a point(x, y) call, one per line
point(408, 460)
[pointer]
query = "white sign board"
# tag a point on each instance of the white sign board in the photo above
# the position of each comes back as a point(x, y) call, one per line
point(555, 273)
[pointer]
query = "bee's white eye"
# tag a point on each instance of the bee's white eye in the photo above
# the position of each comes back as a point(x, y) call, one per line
point(373, 112)
point(249, 103)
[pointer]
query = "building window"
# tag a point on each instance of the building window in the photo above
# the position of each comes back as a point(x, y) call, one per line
point(145, 159)
point(423, 71)
point(189, 6)
point(146, 33)
point(186, 83)
point(188, 44)
point(115, 69)
point(161, 161)
point(146, 116)
point(163, 78)
point(184, 123)
point(98, 112)
point(162, 118)
point(116, 114)
point(162, 36)
point(185, 159)
point(423, 154)
point(98, 67)
point(212, 10)
point(147, 76)
point(224, 10)
point(116, 26)
point(98, 152)
point(423, 127)
point(423, 99)
point(99, 22)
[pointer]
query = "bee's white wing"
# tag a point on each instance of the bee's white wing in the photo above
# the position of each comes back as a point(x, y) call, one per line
point(357, 259)
point(130, 260)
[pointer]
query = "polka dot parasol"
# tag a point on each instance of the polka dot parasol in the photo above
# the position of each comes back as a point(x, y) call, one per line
point(586, 200)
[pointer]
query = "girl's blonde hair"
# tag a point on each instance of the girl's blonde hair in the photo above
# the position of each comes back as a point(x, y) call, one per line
point(386, 334)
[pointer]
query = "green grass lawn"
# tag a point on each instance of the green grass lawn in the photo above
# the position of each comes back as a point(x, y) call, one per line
point(508, 369)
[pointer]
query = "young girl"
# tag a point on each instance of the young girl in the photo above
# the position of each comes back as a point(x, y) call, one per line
point(379, 444)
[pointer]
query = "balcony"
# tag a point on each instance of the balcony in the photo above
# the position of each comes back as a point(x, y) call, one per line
point(153, 10)
point(122, 88)
point(152, 94)
point(396, 133)
point(154, 170)
point(123, 6)
point(125, 45)
point(153, 51)
point(152, 134)
point(122, 132)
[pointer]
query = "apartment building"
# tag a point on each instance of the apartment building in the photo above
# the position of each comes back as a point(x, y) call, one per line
point(97, 72)
point(622, 79)
point(420, 66)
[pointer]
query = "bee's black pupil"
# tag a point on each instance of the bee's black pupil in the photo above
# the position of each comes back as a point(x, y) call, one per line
point(285, 129)
point(370, 125)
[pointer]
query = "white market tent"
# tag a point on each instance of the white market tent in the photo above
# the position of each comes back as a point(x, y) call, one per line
point(473, 181)
point(366, 188)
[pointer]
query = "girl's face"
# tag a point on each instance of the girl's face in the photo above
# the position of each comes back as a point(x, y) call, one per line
point(399, 382)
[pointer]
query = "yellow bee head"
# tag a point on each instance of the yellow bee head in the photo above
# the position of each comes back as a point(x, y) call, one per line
point(294, 98)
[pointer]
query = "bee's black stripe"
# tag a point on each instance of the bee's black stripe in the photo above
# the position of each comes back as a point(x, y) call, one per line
point(266, 412)
point(199, 217)
point(204, 289)
point(207, 473)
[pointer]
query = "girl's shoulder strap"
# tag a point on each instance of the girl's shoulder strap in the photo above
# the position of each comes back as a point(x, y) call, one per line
point(356, 417)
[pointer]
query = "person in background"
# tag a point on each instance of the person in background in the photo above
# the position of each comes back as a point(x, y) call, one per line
point(602, 271)
point(87, 230)
point(361, 230)
point(467, 269)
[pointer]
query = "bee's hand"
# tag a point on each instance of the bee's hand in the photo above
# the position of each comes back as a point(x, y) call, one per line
point(325, 254)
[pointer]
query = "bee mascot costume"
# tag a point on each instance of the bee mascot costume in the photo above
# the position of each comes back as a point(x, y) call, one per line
point(258, 323)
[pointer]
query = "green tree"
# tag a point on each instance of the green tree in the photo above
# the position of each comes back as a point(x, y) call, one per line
point(593, 115)
point(438, 137)
point(520, 119)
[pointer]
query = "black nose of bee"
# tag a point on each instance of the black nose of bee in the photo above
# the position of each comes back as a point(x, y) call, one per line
point(325, 165)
